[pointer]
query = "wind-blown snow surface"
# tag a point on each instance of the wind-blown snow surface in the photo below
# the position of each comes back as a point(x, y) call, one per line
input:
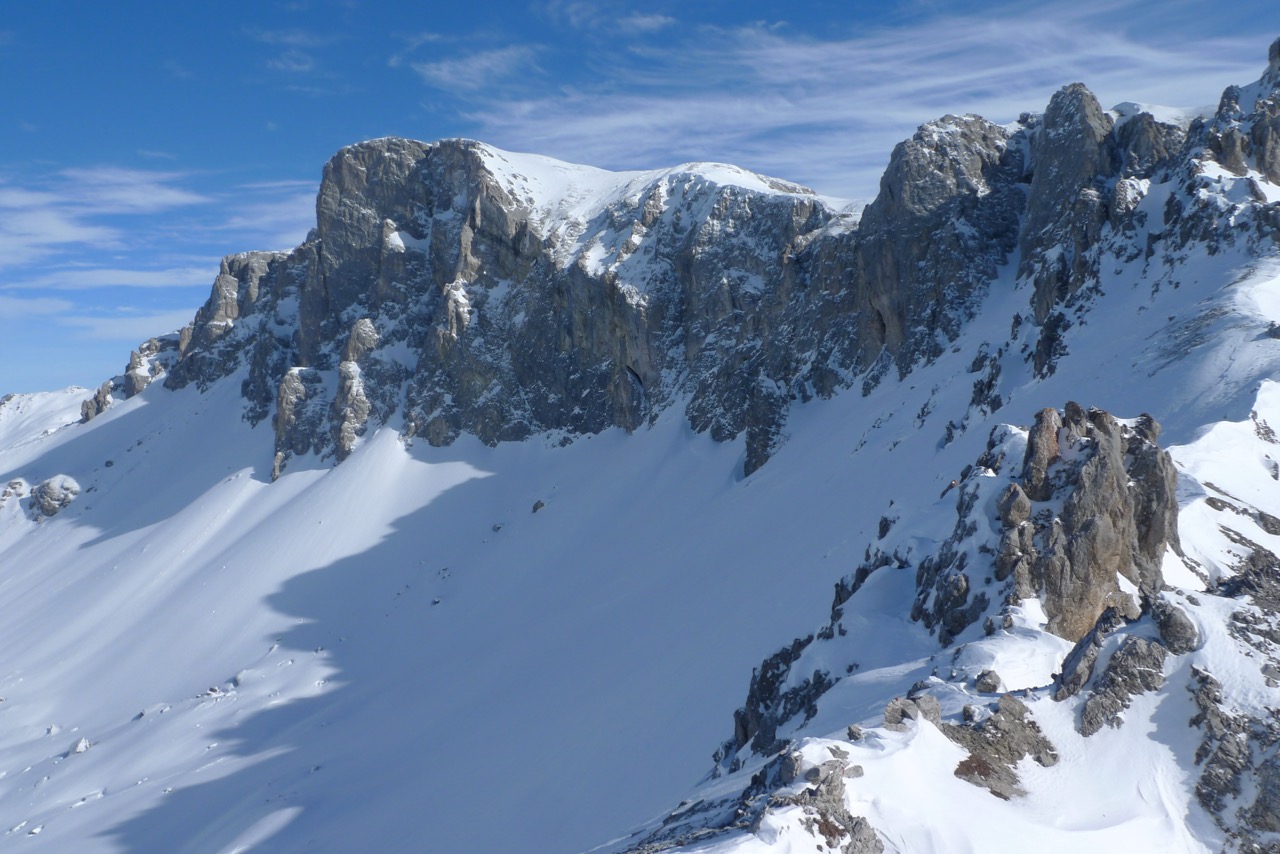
point(398, 654)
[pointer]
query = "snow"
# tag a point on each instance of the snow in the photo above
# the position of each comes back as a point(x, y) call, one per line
point(396, 653)
point(1180, 116)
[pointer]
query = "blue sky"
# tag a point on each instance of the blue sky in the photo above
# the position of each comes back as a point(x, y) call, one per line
point(141, 141)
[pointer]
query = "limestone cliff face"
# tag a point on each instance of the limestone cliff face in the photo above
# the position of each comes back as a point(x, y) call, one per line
point(461, 289)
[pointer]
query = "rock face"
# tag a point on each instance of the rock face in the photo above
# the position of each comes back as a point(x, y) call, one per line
point(997, 744)
point(1137, 667)
point(51, 497)
point(472, 290)
point(1119, 515)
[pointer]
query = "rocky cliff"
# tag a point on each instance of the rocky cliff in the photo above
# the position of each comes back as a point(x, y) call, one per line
point(451, 287)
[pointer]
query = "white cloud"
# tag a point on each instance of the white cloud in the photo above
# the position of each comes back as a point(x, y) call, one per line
point(476, 71)
point(828, 111)
point(128, 329)
point(293, 61)
point(638, 23)
point(412, 42)
point(291, 38)
point(281, 220)
point(111, 189)
point(13, 308)
point(33, 233)
point(87, 278)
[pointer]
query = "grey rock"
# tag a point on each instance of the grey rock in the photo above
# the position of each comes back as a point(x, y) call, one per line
point(1077, 667)
point(52, 496)
point(1065, 208)
point(1178, 634)
point(1118, 518)
point(898, 711)
point(1137, 667)
point(988, 682)
point(96, 405)
point(1013, 506)
point(1042, 450)
point(774, 697)
point(929, 708)
point(997, 744)
point(825, 813)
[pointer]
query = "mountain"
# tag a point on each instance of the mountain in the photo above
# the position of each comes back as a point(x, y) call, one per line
point(485, 519)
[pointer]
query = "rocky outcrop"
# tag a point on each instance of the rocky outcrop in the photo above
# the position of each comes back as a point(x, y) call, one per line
point(96, 405)
point(1137, 667)
point(52, 496)
point(820, 796)
point(774, 696)
point(1119, 515)
point(152, 358)
point(997, 743)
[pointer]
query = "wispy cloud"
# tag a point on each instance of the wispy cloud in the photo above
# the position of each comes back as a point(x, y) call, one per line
point(17, 308)
point(579, 14)
point(412, 42)
point(291, 38)
point(111, 189)
point(79, 279)
point(827, 111)
point(638, 23)
point(293, 61)
point(477, 71)
point(127, 328)
point(281, 214)
point(31, 232)
point(298, 49)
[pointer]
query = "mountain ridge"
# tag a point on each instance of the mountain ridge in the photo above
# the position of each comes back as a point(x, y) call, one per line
point(625, 372)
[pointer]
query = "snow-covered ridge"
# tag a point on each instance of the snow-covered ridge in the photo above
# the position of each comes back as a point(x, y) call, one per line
point(522, 611)
point(560, 190)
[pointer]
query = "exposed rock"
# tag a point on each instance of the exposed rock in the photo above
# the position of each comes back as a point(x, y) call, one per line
point(1042, 450)
point(300, 411)
point(821, 800)
point(898, 711)
point(51, 497)
point(997, 744)
point(769, 704)
point(1077, 667)
point(1238, 754)
point(1178, 634)
point(1066, 209)
point(1119, 516)
point(1013, 506)
point(97, 404)
point(1137, 667)
point(988, 682)
point(826, 815)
